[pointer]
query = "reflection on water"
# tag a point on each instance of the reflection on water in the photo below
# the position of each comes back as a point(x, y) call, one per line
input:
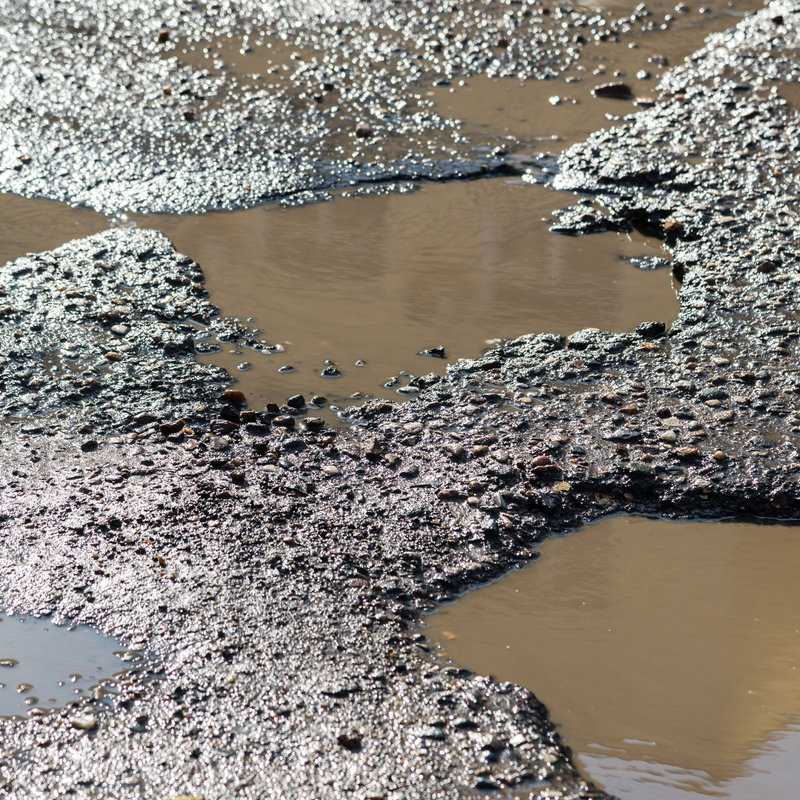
point(45, 666)
point(667, 653)
point(380, 278)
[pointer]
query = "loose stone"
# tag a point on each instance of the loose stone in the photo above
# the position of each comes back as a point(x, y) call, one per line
point(235, 396)
point(84, 722)
point(434, 352)
point(171, 426)
point(373, 450)
point(618, 91)
point(350, 740)
point(455, 451)
point(687, 452)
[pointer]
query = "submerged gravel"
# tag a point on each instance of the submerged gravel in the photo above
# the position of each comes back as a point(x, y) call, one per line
point(279, 574)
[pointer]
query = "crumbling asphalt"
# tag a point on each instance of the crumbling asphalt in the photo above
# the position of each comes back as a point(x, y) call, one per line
point(278, 571)
point(101, 108)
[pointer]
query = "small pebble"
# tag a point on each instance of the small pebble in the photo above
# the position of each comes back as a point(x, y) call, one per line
point(687, 452)
point(350, 740)
point(617, 91)
point(455, 450)
point(84, 722)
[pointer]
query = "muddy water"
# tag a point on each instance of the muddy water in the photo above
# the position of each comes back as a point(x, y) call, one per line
point(667, 653)
point(379, 279)
point(45, 666)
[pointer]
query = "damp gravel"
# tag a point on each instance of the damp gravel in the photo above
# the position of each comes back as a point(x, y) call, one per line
point(102, 105)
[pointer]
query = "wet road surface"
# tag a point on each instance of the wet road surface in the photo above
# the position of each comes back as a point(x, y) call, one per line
point(275, 568)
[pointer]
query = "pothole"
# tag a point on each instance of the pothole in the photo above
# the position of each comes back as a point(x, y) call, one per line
point(667, 653)
point(44, 666)
point(371, 282)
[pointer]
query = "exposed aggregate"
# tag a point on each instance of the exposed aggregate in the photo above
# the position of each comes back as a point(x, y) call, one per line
point(98, 107)
point(279, 570)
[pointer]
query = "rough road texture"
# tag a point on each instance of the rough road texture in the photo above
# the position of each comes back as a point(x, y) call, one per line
point(99, 110)
point(280, 573)
point(98, 330)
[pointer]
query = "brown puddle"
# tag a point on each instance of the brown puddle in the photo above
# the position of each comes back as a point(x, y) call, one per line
point(667, 653)
point(33, 225)
point(378, 279)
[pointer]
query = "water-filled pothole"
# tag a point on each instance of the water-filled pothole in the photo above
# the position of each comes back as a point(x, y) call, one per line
point(44, 666)
point(370, 282)
point(668, 653)
point(379, 279)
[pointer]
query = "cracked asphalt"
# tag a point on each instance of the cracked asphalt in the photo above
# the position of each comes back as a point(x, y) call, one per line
point(278, 571)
